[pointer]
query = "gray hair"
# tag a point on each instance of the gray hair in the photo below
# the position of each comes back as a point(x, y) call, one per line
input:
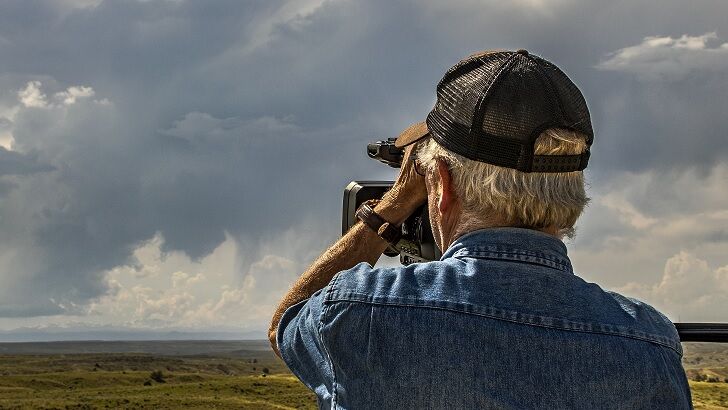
point(532, 200)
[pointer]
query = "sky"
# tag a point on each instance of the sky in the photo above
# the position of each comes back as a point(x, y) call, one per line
point(176, 164)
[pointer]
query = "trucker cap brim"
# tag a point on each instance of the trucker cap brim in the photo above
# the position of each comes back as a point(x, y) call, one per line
point(412, 134)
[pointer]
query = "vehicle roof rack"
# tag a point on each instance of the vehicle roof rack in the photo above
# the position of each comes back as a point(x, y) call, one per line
point(703, 332)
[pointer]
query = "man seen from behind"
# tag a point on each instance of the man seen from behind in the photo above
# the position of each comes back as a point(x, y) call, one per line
point(501, 321)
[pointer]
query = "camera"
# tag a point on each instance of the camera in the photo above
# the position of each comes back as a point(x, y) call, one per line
point(417, 243)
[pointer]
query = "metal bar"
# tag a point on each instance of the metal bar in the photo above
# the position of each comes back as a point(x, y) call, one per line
point(703, 332)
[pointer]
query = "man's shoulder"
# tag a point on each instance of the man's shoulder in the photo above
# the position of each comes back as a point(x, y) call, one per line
point(366, 283)
point(645, 315)
point(568, 302)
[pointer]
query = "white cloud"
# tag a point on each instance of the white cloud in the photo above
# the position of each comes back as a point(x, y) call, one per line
point(689, 290)
point(549, 8)
point(660, 237)
point(79, 4)
point(71, 94)
point(293, 14)
point(670, 58)
point(254, 300)
point(161, 288)
point(173, 291)
point(204, 127)
point(6, 134)
point(178, 278)
point(626, 211)
point(32, 96)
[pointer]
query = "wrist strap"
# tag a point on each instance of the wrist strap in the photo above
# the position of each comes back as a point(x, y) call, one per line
point(384, 229)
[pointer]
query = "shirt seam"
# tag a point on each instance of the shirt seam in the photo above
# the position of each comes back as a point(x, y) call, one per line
point(513, 317)
point(528, 262)
point(324, 311)
point(511, 254)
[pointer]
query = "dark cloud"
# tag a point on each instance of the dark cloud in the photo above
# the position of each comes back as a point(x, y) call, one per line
point(247, 117)
point(664, 125)
point(5, 187)
point(14, 163)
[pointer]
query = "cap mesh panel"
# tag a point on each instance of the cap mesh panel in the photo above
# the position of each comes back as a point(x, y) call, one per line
point(572, 101)
point(491, 107)
point(457, 98)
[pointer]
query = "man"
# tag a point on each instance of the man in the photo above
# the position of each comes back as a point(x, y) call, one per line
point(500, 321)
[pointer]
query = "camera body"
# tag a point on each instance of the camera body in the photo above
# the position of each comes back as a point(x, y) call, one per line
point(417, 243)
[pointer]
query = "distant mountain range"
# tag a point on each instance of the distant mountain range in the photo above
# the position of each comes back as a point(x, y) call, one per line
point(219, 348)
point(100, 333)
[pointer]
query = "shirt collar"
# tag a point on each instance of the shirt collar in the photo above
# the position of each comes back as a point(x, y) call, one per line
point(512, 243)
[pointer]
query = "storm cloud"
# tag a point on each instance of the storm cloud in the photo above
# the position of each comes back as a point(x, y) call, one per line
point(187, 128)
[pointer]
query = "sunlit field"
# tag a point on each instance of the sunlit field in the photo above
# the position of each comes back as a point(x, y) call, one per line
point(204, 375)
point(229, 378)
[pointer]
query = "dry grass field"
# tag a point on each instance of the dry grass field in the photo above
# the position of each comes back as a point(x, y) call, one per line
point(191, 375)
point(207, 375)
point(706, 365)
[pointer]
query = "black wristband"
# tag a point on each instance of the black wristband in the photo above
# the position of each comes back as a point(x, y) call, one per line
point(386, 230)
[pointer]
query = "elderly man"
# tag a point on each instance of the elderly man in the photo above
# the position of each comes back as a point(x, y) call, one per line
point(501, 320)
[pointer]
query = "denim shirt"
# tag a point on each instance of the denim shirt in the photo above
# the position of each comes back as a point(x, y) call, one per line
point(499, 322)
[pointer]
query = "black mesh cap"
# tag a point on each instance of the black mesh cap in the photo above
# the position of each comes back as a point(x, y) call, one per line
point(493, 105)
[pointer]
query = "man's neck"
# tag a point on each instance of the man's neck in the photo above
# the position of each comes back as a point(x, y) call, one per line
point(468, 225)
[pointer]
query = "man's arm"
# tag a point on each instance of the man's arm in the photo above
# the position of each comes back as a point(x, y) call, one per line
point(359, 244)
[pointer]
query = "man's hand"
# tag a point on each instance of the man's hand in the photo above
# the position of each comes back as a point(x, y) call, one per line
point(407, 193)
point(360, 244)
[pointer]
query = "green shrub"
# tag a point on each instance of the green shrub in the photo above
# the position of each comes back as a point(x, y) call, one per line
point(157, 376)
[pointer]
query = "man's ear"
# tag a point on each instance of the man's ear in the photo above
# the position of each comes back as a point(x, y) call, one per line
point(447, 195)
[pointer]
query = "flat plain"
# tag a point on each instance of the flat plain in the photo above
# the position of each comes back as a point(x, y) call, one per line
point(212, 374)
point(147, 375)
point(706, 365)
